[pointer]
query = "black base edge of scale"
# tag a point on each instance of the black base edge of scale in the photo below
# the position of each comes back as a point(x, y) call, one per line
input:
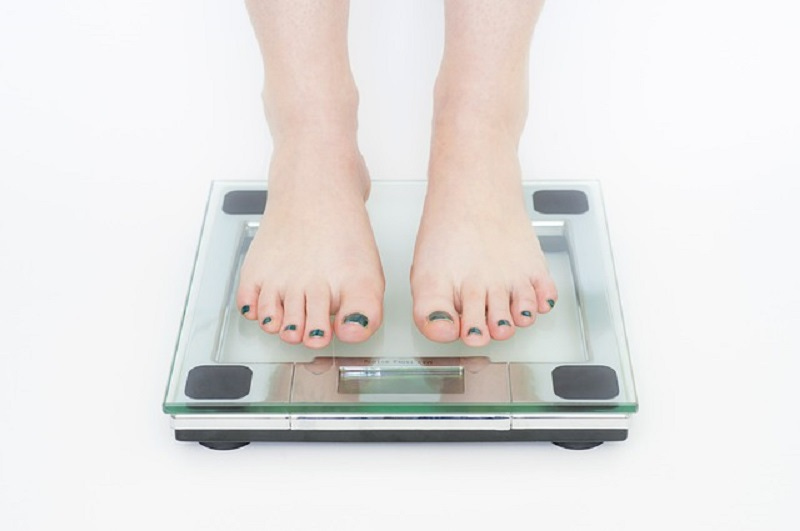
point(232, 439)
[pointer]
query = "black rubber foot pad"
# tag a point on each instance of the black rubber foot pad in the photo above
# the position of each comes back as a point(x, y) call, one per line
point(582, 382)
point(560, 202)
point(578, 445)
point(223, 445)
point(217, 382)
point(245, 202)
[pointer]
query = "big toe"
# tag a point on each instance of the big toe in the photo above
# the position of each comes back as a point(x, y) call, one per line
point(434, 313)
point(359, 316)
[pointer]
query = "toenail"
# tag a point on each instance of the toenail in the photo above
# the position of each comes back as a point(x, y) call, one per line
point(245, 309)
point(266, 320)
point(439, 316)
point(474, 330)
point(359, 318)
point(503, 322)
point(551, 302)
point(316, 333)
point(526, 313)
point(290, 327)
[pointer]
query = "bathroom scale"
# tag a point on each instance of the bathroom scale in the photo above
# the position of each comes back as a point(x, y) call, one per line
point(566, 379)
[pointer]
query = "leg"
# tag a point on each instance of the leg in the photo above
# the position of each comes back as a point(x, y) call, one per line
point(314, 254)
point(478, 268)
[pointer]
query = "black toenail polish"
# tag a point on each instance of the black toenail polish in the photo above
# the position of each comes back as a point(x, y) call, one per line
point(245, 309)
point(316, 333)
point(526, 313)
point(551, 302)
point(503, 322)
point(266, 320)
point(474, 330)
point(439, 316)
point(359, 318)
point(290, 327)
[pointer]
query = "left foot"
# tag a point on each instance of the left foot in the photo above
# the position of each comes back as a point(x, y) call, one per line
point(478, 269)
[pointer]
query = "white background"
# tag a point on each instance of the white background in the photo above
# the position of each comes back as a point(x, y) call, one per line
point(114, 117)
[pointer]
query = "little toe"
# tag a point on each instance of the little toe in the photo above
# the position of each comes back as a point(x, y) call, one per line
point(294, 317)
point(358, 317)
point(247, 300)
point(524, 305)
point(546, 292)
point(474, 331)
point(318, 317)
point(270, 311)
point(498, 314)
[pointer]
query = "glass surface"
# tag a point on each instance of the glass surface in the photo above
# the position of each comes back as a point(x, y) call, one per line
point(398, 369)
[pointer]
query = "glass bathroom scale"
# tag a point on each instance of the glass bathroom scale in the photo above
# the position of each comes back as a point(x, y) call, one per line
point(567, 379)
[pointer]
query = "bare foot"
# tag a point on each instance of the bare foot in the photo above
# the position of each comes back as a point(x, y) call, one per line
point(314, 254)
point(478, 268)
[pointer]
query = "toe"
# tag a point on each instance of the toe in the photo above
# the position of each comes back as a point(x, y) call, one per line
point(498, 314)
point(359, 315)
point(524, 305)
point(318, 317)
point(474, 331)
point(247, 299)
point(546, 292)
point(434, 312)
point(294, 316)
point(270, 311)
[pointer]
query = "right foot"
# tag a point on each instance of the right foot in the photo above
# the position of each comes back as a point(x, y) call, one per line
point(314, 254)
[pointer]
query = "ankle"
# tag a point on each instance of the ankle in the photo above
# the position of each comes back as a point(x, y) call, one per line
point(292, 114)
point(317, 162)
point(476, 109)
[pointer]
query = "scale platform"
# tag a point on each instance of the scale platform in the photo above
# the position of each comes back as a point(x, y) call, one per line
point(567, 379)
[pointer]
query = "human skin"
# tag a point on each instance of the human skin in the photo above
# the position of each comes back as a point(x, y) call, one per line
point(478, 270)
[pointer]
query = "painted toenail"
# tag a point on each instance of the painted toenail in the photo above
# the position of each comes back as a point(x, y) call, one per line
point(526, 313)
point(316, 333)
point(474, 330)
point(266, 320)
point(551, 302)
point(290, 327)
point(359, 318)
point(245, 309)
point(439, 316)
point(503, 322)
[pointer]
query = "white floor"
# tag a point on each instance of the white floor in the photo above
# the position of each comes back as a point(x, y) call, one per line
point(115, 116)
